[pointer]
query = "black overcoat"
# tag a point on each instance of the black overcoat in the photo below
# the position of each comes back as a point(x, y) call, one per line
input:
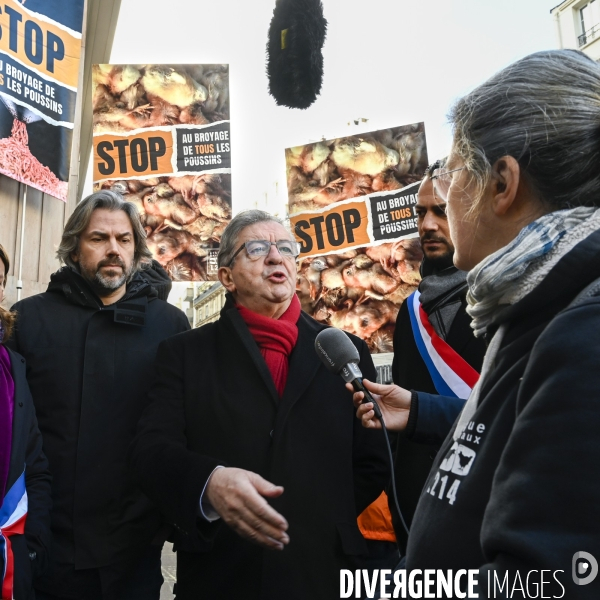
point(89, 369)
point(31, 550)
point(518, 493)
point(214, 403)
point(414, 460)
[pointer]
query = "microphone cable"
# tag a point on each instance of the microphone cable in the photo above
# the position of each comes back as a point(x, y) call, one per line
point(340, 356)
point(389, 449)
point(359, 386)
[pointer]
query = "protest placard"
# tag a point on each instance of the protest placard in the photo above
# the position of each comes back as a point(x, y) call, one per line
point(40, 50)
point(352, 208)
point(162, 140)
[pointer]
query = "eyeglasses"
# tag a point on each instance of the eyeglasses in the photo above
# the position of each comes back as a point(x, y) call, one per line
point(256, 248)
point(441, 183)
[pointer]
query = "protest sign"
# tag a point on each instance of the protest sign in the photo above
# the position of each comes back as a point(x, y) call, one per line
point(351, 205)
point(162, 140)
point(40, 49)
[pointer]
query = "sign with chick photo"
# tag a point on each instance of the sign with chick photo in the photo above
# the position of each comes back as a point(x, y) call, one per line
point(351, 206)
point(162, 141)
point(40, 50)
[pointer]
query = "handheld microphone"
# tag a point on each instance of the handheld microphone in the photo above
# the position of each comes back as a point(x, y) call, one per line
point(340, 356)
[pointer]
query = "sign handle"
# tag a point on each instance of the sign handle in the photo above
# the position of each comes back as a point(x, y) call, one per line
point(20, 279)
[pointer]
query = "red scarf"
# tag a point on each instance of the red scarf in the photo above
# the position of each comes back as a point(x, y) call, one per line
point(276, 339)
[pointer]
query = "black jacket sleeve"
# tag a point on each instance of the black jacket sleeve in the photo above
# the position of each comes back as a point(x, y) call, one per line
point(370, 456)
point(432, 417)
point(38, 484)
point(543, 506)
point(172, 476)
point(401, 331)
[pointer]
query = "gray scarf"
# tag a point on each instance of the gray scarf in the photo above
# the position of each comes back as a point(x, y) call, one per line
point(509, 274)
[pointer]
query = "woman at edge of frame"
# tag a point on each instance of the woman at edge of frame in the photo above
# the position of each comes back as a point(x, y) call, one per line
point(514, 491)
point(25, 481)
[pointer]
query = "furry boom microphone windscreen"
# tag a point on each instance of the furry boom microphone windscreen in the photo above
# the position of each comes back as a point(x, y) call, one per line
point(294, 57)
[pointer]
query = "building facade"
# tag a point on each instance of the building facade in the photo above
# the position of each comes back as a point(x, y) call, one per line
point(577, 25)
point(209, 299)
point(182, 296)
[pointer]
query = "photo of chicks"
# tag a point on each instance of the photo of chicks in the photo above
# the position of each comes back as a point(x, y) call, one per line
point(183, 215)
point(334, 170)
point(128, 97)
point(359, 290)
point(184, 218)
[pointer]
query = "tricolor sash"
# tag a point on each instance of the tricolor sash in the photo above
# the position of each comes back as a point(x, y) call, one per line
point(13, 513)
point(452, 375)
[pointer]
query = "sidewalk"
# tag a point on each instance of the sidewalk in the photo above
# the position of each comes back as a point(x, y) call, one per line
point(168, 571)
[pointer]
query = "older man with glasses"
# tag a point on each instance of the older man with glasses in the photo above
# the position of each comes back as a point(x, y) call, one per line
point(249, 445)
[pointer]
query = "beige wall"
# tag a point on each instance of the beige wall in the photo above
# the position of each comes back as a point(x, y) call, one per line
point(45, 216)
point(102, 18)
point(568, 28)
point(592, 49)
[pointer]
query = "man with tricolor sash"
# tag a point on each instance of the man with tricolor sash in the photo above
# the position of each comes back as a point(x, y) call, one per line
point(435, 351)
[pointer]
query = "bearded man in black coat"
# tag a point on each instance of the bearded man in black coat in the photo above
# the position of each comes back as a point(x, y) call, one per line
point(243, 402)
point(90, 342)
point(443, 292)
